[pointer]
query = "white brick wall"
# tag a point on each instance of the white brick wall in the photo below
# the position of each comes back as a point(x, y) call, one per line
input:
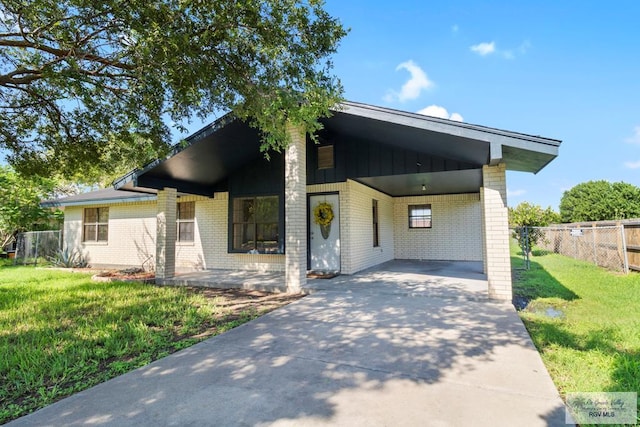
point(210, 249)
point(496, 231)
point(131, 239)
point(358, 218)
point(166, 234)
point(456, 233)
point(132, 235)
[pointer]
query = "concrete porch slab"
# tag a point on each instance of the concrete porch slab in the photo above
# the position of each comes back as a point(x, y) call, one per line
point(231, 279)
point(445, 279)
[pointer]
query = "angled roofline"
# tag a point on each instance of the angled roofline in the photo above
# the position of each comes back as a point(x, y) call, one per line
point(436, 124)
point(496, 138)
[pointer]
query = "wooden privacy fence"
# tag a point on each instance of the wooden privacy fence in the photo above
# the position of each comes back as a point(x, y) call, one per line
point(614, 245)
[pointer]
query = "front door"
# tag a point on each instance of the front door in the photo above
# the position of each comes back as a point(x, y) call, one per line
point(324, 232)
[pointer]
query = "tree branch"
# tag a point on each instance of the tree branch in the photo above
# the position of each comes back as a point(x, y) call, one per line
point(66, 53)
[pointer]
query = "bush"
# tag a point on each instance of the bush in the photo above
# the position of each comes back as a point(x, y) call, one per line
point(68, 259)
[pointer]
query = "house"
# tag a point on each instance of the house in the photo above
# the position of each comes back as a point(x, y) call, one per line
point(384, 184)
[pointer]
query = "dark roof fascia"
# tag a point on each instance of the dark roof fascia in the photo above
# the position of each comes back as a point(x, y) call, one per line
point(436, 124)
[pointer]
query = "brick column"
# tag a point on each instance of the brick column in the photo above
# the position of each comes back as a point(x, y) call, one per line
point(166, 234)
point(495, 231)
point(295, 194)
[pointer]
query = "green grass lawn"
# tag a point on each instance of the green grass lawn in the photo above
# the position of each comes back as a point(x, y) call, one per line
point(61, 332)
point(594, 345)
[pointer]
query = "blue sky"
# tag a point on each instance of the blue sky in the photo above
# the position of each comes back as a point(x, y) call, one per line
point(566, 70)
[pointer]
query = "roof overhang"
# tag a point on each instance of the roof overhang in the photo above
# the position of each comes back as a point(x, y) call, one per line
point(445, 138)
point(204, 161)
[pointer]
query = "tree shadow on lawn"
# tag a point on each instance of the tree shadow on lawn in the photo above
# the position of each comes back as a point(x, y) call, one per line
point(624, 365)
point(537, 283)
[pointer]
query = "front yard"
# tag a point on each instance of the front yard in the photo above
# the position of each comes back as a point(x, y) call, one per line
point(584, 320)
point(61, 333)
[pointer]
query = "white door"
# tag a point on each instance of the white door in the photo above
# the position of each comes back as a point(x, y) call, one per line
point(324, 241)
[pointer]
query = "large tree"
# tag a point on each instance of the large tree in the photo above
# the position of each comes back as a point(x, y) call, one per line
point(600, 200)
point(82, 81)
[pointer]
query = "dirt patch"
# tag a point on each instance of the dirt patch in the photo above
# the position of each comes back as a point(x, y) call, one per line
point(127, 275)
point(238, 304)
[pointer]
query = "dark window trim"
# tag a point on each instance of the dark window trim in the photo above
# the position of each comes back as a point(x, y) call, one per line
point(375, 217)
point(281, 225)
point(97, 224)
point(191, 220)
point(428, 217)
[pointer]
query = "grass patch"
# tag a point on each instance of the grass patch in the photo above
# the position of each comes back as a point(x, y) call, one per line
point(61, 333)
point(595, 344)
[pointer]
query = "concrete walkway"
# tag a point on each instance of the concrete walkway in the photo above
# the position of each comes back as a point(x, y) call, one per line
point(380, 348)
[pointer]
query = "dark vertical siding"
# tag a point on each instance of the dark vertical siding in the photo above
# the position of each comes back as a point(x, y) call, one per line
point(359, 159)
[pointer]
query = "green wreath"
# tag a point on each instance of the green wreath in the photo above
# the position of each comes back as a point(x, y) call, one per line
point(323, 214)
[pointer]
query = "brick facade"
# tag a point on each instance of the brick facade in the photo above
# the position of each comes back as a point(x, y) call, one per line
point(495, 221)
point(460, 231)
point(455, 235)
point(131, 238)
point(166, 234)
point(295, 195)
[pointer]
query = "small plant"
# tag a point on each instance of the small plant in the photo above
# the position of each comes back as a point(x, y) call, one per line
point(68, 259)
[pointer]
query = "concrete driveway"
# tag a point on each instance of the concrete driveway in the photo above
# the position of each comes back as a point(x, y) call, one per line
point(381, 348)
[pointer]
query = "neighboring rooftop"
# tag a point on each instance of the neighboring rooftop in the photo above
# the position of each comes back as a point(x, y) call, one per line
point(107, 195)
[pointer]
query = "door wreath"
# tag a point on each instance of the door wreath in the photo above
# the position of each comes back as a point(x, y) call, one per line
point(323, 216)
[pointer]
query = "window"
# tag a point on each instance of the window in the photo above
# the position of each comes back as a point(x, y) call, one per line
point(325, 157)
point(419, 216)
point(95, 226)
point(255, 224)
point(186, 221)
point(376, 234)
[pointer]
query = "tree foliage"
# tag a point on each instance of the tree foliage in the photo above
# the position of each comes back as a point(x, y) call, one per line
point(524, 216)
point(599, 201)
point(82, 81)
point(20, 209)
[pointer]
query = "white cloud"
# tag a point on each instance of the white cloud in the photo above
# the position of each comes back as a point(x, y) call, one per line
point(635, 138)
point(515, 193)
point(632, 165)
point(484, 49)
point(412, 87)
point(441, 112)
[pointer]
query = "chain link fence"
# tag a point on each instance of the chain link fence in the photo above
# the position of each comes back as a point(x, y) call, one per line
point(603, 246)
point(34, 246)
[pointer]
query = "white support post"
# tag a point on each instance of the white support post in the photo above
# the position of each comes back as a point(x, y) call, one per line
point(295, 193)
point(166, 233)
point(495, 222)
